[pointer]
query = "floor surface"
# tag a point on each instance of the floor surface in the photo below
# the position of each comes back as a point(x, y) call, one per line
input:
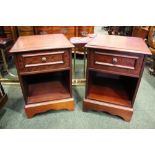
point(12, 116)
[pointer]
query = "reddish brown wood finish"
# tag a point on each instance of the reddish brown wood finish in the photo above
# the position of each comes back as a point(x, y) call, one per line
point(52, 90)
point(109, 90)
point(40, 42)
point(44, 68)
point(25, 30)
point(10, 32)
point(124, 112)
point(68, 31)
point(118, 63)
point(13, 32)
point(114, 70)
point(32, 109)
point(140, 31)
point(119, 43)
point(43, 61)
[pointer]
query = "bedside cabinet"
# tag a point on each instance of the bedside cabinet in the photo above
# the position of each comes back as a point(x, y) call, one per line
point(44, 68)
point(114, 70)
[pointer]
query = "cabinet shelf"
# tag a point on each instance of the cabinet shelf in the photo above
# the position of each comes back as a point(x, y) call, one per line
point(47, 91)
point(47, 87)
point(111, 88)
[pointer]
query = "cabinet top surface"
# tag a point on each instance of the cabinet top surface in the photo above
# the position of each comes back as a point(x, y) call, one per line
point(40, 42)
point(119, 43)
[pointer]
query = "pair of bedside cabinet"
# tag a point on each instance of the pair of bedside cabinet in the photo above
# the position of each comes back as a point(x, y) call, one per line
point(114, 70)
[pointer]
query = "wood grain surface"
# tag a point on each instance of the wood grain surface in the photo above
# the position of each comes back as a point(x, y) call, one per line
point(119, 43)
point(40, 42)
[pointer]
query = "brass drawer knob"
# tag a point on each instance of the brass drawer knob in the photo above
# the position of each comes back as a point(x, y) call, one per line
point(114, 60)
point(43, 59)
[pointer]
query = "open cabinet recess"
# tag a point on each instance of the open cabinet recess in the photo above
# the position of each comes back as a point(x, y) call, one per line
point(47, 86)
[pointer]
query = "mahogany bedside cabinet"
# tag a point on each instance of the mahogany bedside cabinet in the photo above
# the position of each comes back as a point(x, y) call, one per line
point(114, 70)
point(44, 68)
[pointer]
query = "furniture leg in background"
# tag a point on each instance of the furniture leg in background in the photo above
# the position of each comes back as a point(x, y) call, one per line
point(5, 45)
point(151, 42)
point(3, 96)
point(79, 43)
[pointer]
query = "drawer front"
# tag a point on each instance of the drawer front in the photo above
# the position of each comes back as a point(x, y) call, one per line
point(25, 33)
point(7, 28)
point(25, 28)
point(118, 63)
point(43, 61)
point(68, 31)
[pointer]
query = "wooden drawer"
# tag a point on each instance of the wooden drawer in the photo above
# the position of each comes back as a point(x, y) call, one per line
point(116, 62)
point(43, 61)
point(26, 33)
point(25, 28)
point(68, 31)
point(7, 28)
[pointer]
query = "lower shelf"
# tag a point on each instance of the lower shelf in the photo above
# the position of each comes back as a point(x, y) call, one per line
point(109, 90)
point(47, 91)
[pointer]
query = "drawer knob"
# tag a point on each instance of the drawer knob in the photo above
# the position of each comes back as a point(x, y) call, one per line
point(43, 59)
point(114, 60)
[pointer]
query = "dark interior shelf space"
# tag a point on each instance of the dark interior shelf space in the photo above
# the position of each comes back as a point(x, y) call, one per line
point(47, 87)
point(111, 88)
